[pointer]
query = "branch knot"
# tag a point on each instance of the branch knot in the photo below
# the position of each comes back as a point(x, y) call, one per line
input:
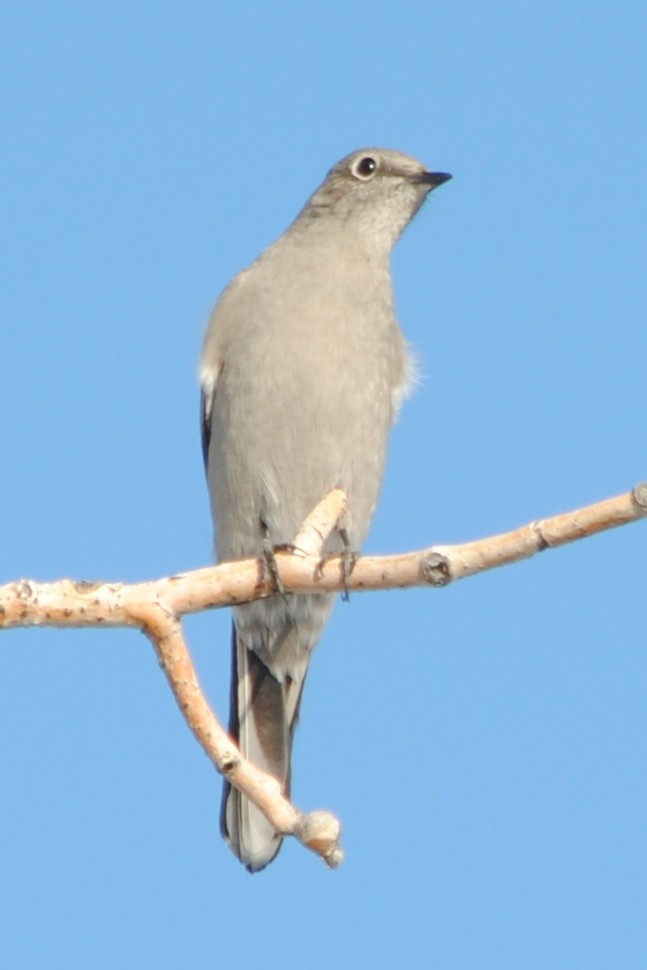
point(435, 569)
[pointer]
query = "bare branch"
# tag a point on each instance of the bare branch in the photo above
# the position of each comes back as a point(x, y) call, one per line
point(156, 607)
point(319, 830)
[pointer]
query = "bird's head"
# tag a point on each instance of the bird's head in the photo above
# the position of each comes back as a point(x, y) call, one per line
point(374, 192)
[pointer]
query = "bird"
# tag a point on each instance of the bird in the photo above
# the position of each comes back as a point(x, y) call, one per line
point(303, 371)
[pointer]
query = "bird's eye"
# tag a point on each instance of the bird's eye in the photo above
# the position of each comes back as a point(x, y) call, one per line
point(364, 168)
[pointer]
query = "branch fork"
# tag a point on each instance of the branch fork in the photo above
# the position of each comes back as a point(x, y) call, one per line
point(156, 608)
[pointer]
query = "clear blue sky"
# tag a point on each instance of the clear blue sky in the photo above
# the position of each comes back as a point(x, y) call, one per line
point(484, 745)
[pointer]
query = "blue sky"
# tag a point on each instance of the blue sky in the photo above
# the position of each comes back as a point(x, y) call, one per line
point(484, 745)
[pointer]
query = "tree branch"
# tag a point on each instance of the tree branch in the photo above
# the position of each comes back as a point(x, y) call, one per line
point(156, 608)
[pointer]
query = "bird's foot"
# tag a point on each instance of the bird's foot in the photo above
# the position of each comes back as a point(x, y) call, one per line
point(348, 557)
point(270, 569)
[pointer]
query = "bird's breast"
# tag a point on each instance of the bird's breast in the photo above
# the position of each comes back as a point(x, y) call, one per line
point(303, 403)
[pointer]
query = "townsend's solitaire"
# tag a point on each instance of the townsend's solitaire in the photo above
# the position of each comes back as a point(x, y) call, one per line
point(302, 372)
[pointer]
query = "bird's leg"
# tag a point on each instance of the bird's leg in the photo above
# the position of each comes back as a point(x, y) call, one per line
point(348, 558)
point(268, 560)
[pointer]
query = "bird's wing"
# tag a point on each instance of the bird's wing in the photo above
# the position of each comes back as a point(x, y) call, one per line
point(206, 408)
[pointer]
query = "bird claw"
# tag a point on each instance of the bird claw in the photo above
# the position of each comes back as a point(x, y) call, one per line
point(348, 557)
point(270, 569)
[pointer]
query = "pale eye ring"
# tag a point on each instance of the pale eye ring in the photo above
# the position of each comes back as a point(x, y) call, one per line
point(364, 168)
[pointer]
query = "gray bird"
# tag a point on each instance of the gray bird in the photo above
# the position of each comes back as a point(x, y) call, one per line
point(303, 370)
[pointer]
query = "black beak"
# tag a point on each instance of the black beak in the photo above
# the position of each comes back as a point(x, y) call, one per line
point(434, 179)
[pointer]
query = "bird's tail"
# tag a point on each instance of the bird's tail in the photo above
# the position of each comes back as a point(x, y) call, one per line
point(263, 716)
